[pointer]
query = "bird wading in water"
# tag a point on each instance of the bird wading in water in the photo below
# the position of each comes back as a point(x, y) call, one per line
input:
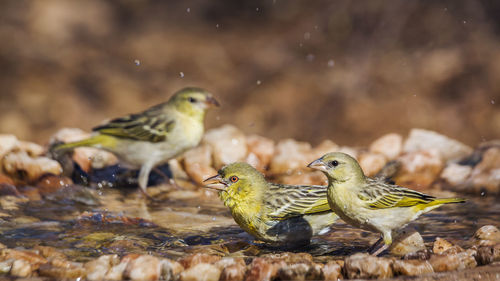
point(152, 137)
point(369, 203)
point(273, 213)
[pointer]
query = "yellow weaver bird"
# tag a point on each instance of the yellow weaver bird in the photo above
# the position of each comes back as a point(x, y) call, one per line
point(372, 204)
point(154, 136)
point(271, 212)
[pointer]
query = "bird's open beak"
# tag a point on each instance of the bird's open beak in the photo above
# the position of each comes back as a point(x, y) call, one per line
point(211, 101)
point(317, 165)
point(216, 183)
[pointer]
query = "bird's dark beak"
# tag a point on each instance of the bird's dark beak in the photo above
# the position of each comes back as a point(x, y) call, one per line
point(216, 183)
point(317, 165)
point(211, 101)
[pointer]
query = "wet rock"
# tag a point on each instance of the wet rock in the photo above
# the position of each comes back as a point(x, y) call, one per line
point(363, 265)
point(290, 155)
point(390, 145)
point(487, 235)
point(371, 163)
point(30, 192)
point(4, 179)
point(51, 183)
point(49, 252)
point(8, 190)
point(201, 272)
point(21, 166)
point(6, 266)
point(260, 151)
point(485, 177)
point(424, 140)
point(301, 271)
point(458, 261)
point(231, 269)
point(30, 257)
point(62, 269)
point(228, 144)
point(488, 254)
point(455, 174)
point(144, 267)
point(418, 169)
point(116, 271)
point(408, 242)
point(11, 202)
point(332, 271)
point(441, 245)
point(263, 269)
point(170, 270)
point(92, 158)
point(290, 258)
point(412, 267)
point(22, 268)
point(194, 259)
point(198, 163)
point(98, 268)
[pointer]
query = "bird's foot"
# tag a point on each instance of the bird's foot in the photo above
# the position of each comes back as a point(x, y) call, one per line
point(380, 250)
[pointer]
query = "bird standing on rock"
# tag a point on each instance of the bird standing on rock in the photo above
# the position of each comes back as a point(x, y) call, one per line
point(155, 135)
point(372, 204)
point(275, 213)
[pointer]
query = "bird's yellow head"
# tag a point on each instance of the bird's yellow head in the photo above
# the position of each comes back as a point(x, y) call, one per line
point(338, 167)
point(193, 101)
point(239, 185)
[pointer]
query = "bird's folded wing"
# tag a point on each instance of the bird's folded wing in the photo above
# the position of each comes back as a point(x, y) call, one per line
point(379, 195)
point(286, 201)
point(149, 126)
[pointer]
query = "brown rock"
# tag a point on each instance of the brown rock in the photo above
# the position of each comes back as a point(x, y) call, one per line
point(450, 262)
point(31, 257)
point(194, 259)
point(290, 155)
point(418, 169)
point(144, 267)
point(170, 269)
point(8, 190)
point(289, 257)
point(485, 176)
point(455, 174)
point(31, 192)
point(234, 272)
point(6, 266)
point(440, 246)
point(22, 268)
point(4, 179)
point(201, 272)
point(62, 269)
point(66, 135)
point(260, 152)
point(98, 268)
point(228, 144)
point(371, 163)
point(488, 254)
point(412, 267)
point(389, 145)
point(407, 242)
point(263, 269)
point(92, 158)
point(50, 183)
point(49, 252)
point(363, 265)
point(301, 271)
point(198, 163)
point(116, 272)
point(424, 140)
point(32, 149)
point(23, 167)
point(7, 143)
point(487, 235)
point(332, 271)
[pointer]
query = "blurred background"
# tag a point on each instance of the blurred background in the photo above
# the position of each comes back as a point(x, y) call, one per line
point(349, 71)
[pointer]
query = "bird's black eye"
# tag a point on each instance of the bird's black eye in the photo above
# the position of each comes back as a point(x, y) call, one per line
point(334, 163)
point(192, 100)
point(234, 179)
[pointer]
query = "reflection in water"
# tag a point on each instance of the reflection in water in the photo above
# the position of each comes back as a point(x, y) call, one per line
point(186, 221)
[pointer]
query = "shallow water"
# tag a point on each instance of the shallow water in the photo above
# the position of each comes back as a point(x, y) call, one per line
point(85, 223)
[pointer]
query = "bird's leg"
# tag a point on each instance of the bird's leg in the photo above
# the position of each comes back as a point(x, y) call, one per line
point(387, 238)
point(171, 181)
point(144, 176)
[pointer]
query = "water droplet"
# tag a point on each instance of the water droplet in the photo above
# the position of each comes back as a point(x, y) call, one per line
point(300, 45)
point(414, 95)
point(181, 74)
point(188, 10)
point(445, 9)
point(234, 141)
point(259, 82)
point(331, 63)
point(483, 193)
point(310, 57)
point(214, 218)
point(464, 21)
point(316, 27)
point(307, 36)
point(137, 62)
point(492, 101)
point(257, 9)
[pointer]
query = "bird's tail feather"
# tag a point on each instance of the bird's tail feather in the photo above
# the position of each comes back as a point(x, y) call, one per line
point(440, 201)
point(98, 141)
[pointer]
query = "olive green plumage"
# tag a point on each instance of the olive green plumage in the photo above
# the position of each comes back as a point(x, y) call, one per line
point(370, 203)
point(272, 212)
point(154, 136)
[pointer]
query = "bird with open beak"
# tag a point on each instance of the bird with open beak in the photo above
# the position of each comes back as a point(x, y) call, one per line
point(274, 213)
